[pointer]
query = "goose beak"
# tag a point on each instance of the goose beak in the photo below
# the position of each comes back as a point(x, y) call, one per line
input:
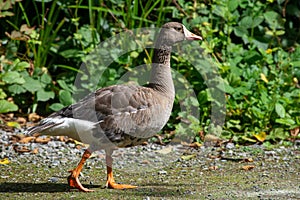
point(190, 36)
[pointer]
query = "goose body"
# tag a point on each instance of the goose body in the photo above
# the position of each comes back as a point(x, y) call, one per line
point(120, 115)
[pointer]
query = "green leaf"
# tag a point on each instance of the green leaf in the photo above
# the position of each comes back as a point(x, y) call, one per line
point(56, 106)
point(31, 84)
point(181, 94)
point(13, 77)
point(6, 13)
point(246, 22)
point(134, 54)
point(2, 94)
point(240, 31)
point(257, 21)
point(16, 89)
point(64, 85)
point(65, 97)
point(257, 112)
point(285, 121)
point(280, 110)
point(202, 97)
point(248, 139)
point(274, 19)
point(228, 88)
point(43, 95)
point(277, 133)
point(45, 78)
point(22, 65)
point(232, 5)
point(280, 32)
point(72, 53)
point(194, 101)
point(6, 106)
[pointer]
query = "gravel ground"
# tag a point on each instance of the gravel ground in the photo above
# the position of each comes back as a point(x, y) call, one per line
point(163, 172)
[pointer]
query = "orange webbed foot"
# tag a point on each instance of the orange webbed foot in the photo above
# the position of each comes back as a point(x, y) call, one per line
point(113, 185)
point(75, 183)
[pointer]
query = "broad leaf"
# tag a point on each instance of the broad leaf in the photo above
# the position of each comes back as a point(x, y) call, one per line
point(13, 77)
point(43, 95)
point(280, 110)
point(6, 106)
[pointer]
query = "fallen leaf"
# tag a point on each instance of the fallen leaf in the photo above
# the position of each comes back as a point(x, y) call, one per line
point(21, 120)
point(10, 115)
point(145, 162)
point(4, 161)
point(194, 144)
point(213, 167)
point(211, 138)
point(36, 135)
point(62, 138)
point(260, 136)
point(42, 140)
point(13, 124)
point(188, 157)
point(216, 156)
point(33, 117)
point(21, 149)
point(248, 167)
point(165, 151)
point(248, 159)
point(35, 151)
point(26, 139)
point(79, 143)
point(16, 138)
point(295, 132)
point(160, 139)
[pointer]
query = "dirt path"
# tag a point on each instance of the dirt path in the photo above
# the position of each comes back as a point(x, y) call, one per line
point(161, 172)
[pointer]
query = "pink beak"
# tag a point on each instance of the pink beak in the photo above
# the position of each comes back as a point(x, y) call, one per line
point(190, 36)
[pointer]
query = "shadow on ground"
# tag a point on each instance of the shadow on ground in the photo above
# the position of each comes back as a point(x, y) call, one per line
point(150, 189)
point(37, 187)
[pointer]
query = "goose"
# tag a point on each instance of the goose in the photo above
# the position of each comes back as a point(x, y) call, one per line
point(120, 115)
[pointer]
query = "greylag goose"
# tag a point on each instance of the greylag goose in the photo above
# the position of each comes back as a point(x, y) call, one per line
point(120, 115)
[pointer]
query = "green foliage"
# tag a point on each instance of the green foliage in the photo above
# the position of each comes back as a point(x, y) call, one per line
point(253, 46)
point(256, 59)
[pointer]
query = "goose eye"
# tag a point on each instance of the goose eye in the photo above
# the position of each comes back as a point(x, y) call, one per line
point(178, 28)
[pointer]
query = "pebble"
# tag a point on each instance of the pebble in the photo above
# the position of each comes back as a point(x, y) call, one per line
point(162, 172)
point(230, 145)
point(53, 180)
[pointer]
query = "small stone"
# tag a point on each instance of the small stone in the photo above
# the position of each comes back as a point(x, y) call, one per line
point(55, 163)
point(53, 180)
point(72, 145)
point(52, 144)
point(230, 145)
point(162, 172)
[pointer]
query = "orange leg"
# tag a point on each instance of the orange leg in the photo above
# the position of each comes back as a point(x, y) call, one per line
point(73, 179)
point(110, 183)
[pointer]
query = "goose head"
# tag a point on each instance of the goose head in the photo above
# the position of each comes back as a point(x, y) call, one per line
point(174, 32)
